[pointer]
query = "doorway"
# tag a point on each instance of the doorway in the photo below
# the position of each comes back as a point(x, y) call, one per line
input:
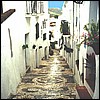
point(45, 53)
point(27, 51)
point(36, 56)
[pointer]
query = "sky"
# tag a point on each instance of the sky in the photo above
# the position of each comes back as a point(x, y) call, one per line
point(55, 4)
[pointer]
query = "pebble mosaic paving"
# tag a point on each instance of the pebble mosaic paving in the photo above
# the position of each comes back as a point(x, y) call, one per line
point(52, 80)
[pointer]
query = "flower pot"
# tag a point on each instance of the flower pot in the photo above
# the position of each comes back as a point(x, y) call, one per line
point(95, 47)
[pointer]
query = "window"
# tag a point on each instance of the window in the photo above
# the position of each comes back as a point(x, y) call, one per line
point(65, 27)
point(37, 30)
point(76, 21)
point(31, 7)
point(27, 7)
point(34, 9)
point(44, 36)
point(44, 24)
point(49, 36)
point(41, 7)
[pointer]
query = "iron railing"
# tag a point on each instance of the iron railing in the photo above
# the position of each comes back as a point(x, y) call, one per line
point(33, 7)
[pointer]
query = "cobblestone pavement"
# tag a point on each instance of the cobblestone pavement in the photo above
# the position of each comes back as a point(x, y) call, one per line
point(52, 80)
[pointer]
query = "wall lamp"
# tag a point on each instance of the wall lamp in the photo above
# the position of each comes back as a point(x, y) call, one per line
point(25, 46)
point(33, 46)
point(40, 47)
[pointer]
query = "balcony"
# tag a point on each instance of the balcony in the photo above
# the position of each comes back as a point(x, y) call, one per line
point(34, 8)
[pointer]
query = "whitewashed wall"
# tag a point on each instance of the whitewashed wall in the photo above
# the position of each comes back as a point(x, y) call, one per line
point(88, 10)
point(12, 68)
point(32, 35)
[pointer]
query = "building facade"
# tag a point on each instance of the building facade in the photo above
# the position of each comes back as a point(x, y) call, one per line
point(78, 15)
point(24, 36)
point(25, 27)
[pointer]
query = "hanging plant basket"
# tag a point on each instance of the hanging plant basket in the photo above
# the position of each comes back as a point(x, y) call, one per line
point(95, 47)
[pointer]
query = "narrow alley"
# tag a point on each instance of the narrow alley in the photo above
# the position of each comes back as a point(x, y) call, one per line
point(49, 50)
point(52, 80)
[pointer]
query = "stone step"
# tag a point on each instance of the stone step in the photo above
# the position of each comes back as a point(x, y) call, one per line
point(83, 92)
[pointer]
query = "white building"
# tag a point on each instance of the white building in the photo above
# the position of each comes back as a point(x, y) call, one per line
point(78, 15)
point(25, 41)
point(54, 27)
point(18, 41)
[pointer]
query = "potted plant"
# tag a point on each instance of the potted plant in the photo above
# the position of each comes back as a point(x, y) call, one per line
point(91, 38)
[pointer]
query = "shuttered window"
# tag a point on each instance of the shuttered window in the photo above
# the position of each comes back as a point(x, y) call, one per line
point(37, 30)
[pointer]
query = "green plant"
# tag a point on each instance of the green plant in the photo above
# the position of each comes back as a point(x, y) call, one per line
point(92, 35)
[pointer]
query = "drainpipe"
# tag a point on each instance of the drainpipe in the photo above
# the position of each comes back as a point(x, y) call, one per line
point(72, 40)
point(78, 33)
